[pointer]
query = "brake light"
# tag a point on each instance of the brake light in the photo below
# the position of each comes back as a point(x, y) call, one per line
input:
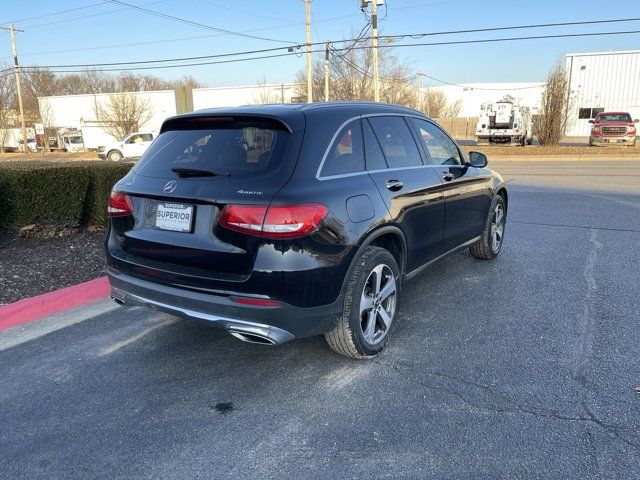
point(276, 221)
point(119, 205)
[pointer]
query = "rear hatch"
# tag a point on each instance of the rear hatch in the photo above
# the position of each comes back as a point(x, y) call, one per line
point(194, 169)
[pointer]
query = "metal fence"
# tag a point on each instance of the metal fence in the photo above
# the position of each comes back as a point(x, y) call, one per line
point(462, 128)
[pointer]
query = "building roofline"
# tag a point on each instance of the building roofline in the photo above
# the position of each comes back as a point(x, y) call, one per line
point(255, 85)
point(593, 54)
point(105, 93)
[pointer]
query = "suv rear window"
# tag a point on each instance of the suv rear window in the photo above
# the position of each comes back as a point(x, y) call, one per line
point(241, 148)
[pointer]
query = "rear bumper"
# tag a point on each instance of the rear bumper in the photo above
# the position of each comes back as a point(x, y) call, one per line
point(268, 325)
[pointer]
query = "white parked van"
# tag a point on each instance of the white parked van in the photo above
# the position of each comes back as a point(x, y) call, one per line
point(132, 146)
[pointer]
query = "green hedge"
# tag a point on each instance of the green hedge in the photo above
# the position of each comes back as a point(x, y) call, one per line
point(55, 193)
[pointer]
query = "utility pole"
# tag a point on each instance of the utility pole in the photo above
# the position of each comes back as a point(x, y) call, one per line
point(326, 72)
point(307, 4)
point(16, 69)
point(374, 25)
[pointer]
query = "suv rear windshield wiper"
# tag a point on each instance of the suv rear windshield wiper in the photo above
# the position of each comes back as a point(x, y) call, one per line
point(198, 172)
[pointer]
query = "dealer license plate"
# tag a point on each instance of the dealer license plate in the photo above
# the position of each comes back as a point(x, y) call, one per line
point(174, 216)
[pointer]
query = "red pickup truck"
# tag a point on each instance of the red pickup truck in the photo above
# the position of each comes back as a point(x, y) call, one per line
point(613, 128)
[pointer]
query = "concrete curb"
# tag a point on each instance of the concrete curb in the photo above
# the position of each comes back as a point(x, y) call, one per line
point(40, 306)
point(625, 157)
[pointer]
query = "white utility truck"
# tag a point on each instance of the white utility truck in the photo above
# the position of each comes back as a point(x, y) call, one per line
point(67, 140)
point(505, 121)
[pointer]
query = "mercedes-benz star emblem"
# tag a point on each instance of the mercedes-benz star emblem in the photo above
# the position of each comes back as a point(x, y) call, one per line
point(170, 186)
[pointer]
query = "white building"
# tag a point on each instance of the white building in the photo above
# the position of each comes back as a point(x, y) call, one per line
point(79, 112)
point(244, 95)
point(473, 95)
point(601, 81)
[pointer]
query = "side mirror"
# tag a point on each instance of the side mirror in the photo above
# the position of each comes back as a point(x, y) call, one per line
point(477, 159)
point(635, 120)
point(591, 121)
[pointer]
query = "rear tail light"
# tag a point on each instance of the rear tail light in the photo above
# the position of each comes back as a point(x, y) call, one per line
point(119, 205)
point(275, 221)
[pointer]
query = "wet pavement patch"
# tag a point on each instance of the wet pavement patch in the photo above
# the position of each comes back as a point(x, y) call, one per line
point(223, 408)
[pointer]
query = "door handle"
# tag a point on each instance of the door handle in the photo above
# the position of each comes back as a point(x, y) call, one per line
point(447, 176)
point(394, 185)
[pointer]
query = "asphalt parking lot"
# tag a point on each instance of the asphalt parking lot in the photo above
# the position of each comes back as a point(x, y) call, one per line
point(523, 367)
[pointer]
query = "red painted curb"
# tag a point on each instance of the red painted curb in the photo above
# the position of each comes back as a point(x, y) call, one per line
point(34, 308)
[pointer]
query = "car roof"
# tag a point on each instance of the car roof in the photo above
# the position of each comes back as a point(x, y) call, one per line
point(292, 114)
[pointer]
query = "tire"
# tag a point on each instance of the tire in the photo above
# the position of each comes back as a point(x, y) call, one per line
point(114, 155)
point(363, 331)
point(492, 238)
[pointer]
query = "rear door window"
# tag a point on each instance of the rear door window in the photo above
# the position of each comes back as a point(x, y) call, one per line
point(373, 152)
point(238, 148)
point(346, 153)
point(396, 141)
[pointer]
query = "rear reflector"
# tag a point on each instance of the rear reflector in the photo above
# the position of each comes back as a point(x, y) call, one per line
point(258, 302)
point(119, 205)
point(275, 222)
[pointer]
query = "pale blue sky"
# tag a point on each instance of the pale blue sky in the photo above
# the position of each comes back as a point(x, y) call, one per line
point(111, 26)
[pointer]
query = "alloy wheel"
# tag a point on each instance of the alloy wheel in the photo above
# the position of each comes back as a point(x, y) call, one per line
point(378, 304)
point(497, 228)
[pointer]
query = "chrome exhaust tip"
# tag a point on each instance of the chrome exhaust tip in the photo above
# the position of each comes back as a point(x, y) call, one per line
point(250, 337)
point(119, 301)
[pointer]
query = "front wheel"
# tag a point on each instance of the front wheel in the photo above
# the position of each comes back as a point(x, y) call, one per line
point(114, 156)
point(490, 242)
point(370, 306)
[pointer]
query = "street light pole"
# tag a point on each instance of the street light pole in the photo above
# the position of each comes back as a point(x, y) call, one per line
point(307, 5)
point(16, 69)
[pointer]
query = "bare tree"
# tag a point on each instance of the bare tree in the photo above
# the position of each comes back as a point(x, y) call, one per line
point(47, 116)
point(265, 94)
point(434, 103)
point(123, 113)
point(453, 109)
point(95, 81)
point(550, 125)
point(351, 77)
point(36, 83)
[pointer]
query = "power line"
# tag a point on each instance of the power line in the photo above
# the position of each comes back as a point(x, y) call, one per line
point(55, 13)
point(460, 42)
point(56, 22)
point(359, 38)
point(244, 12)
point(193, 23)
point(399, 37)
point(479, 88)
point(170, 40)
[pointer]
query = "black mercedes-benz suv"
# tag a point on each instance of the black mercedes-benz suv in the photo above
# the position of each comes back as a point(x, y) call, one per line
point(284, 221)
